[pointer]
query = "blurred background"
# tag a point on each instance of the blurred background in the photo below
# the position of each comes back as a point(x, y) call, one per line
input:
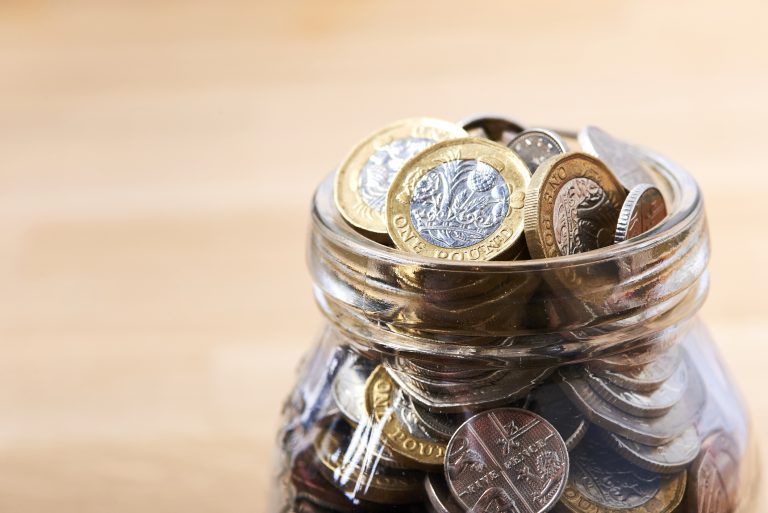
point(157, 160)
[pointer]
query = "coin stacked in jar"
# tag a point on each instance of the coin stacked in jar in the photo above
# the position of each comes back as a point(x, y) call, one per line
point(614, 433)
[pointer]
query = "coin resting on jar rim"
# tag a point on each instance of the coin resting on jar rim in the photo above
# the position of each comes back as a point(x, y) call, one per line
point(459, 200)
point(363, 179)
point(643, 209)
point(572, 206)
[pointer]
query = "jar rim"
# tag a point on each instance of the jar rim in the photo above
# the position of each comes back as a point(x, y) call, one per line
point(678, 187)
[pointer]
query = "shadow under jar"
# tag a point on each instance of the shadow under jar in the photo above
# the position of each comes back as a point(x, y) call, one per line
point(574, 384)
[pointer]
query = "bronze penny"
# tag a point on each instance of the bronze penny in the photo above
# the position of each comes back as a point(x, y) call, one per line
point(572, 205)
point(643, 209)
point(507, 458)
point(715, 476)
point(492, 126)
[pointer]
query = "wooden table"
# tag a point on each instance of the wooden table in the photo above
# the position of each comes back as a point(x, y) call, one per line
point(156, 166)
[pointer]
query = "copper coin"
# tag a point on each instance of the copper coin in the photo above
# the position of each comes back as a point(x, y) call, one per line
point(507, 458)
point(715, 476)
point(643, 209)
point(492, 126)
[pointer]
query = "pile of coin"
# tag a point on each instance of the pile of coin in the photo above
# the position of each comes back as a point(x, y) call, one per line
point(490, 189)
point(422, 432)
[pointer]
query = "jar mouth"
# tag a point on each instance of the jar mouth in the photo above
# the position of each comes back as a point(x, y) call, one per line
point(680, 191)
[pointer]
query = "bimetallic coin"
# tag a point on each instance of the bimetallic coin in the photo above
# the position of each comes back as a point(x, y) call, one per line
point(646, 378)
point(494, 127)
point(571, 206)
point(364, 178)
point(653, 431)
point(381, 404)
point(459, 200)
point(669, 458)
point(643, 404)
point(550, 403)
point(439, 495)
point(509, 459)
point(714, 480)
point(340, 461)
point(348, 388)
point(628, 162)
point(536, 145)
point(643, 209)
point(601, 481)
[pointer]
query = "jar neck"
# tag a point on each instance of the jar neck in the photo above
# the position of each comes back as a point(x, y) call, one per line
point(642, 291)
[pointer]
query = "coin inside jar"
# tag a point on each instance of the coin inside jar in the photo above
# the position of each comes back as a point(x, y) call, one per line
point(643, 209)
point(362, 181)
point(550, 402)
point(536, 145)
point(669, 458)
point(348, 388)
point(715, 475)
point(459, 200)
point(508, 458)
point(572, 206)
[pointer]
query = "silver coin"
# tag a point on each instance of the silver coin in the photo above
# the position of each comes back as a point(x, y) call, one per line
point(665, 347)
point(440, 425)
point(439, 496)
point(643, 404)
point(653, 431)
point(646, 378)
point(491, 126)
point(507, 387)
point(628, 163)
point(348, 387)
point(669, 458)
point(551, 404)
point(643, 208)
point(536, 145)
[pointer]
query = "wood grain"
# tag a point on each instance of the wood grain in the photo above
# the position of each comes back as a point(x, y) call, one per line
point(156, 165)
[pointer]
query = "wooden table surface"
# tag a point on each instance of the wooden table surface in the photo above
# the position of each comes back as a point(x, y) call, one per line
point(156, 166)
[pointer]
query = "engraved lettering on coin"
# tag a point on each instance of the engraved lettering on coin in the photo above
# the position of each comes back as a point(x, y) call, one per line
point(536, 145)
point(582, 217)
point(643, 209)
point(380, 169)
point(459, 203)
point(507, 458)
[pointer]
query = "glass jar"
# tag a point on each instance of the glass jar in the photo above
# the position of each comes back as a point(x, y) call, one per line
point(602, 347)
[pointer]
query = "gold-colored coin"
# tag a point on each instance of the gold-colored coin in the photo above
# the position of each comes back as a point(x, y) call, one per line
point(385, 405)
point(364, 178)
point(347, 462)
point(459, 200)
point(571, 206)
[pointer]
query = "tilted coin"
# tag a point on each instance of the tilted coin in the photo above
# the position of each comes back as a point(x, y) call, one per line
point(381, 394)
point(459, 200)
point(646, 378)
point(550, 403)
point(341, 462)
point(601, 481)
point(440, 425)
point(348, 387)
point(628, 162)
point(571, 206)
point(491, 126)
point(643, 209)
point(510, 386)
point(714, 480)
point(666, 347)
point(439, 496)
point(309, 484)
point(508, 458)
point(654, 403)
point(536, 145)
point(653, 431)
point(364, 178)
point(669, 458)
